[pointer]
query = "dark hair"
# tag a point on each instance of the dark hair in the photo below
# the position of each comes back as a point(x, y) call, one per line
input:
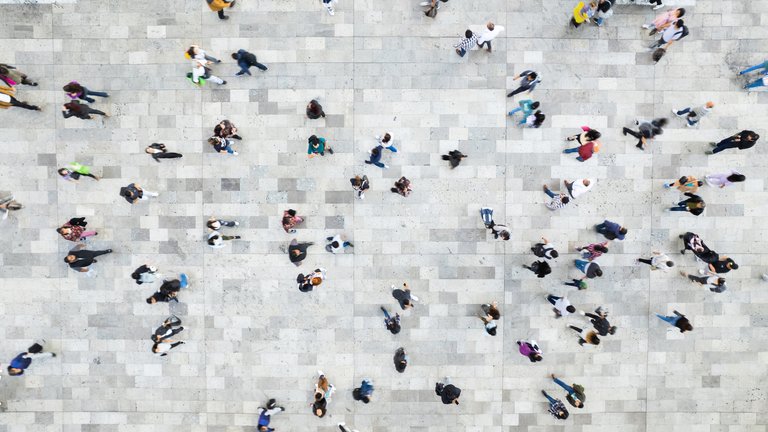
point(593, 135)
point(564, 416)
point(73, 87)
point(601, 248)
point(234, 56)
point(599, 272)
point(491, 331)
point(365, 399)
point(670, 264)
point(191, 52)
point(570, 309)
point(494, 313)
point(734, 266)
point(565, 200)
point(622, 230)
point(679, 23)
point(535, 105)
point(468, 33)
point(61, 171)
point(555, 254)
point(687, 326)
point(313, 140)
point(754, 136)
point(14, 373)
point(505, 235)
point(125, 192)
point(680, 12)
point(532, 76)
point(534, 357)
point(660, 122)
point(539, 119)
point(58, 230)
point(149, 300)
point(387, 137)
point(735, 178)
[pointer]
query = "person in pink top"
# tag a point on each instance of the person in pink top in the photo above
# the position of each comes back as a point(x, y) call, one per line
point(664, 20)
point(74, 230)
point(531, 350)
point(593, 250)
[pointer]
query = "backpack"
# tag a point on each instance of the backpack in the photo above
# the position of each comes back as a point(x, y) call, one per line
point(685, 32)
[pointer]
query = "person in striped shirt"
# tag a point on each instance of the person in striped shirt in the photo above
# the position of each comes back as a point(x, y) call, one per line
point(556, 407)
point(466, 43)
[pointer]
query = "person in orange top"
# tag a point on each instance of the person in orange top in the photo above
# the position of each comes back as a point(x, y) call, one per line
point(7, 100)
point(685, 184)
point(218, 6)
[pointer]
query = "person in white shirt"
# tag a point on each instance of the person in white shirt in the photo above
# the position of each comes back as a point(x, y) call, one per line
point(579, 187)
point(658, 261)
point(562, 306)
point(489, 34)
point(670, 35)
point(216, 240)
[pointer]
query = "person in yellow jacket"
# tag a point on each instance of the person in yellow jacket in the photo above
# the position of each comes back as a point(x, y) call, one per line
point(583, 12)
point(218, 6)
point(7, 100)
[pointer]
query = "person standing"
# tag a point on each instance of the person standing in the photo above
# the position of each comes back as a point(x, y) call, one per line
point(499, 231)
point(529, 81)
point(545, 250)
point(404, 296)
point(13, 77)
point(80, 259)
point(391, 322)
point(400, 359)
point(582, 13)
point(298, 251)
point(531, 350)
point(710, 280)
point(722, 180)
point(170, 327)
point(402, 187)
point(245, 60)
point(677, 320)
point(558, 200)
point(658, 261)
point(694, 205)
point(556, 407)
point(742, 141)
point(576, 396)
point(491, 31)
point(21, 362)
point(133, 192)
point(75, 171)
point(218, 6)
point(76, 91)
point(685, 184)
point(8, 100)
point(449, 393)
point(541, 268)
point(694, 115)
point(581, 284)
point(586, 336)
point(589, 143)
point(74, 230)
point(79, 110)
point(265, 417)
point(591, 269)
point(454, 157)
point(215, 224)
point(337, 244)
point(317, 145)
point(562, 306)
point(611, 230)
point(291, 220)
point(360, 185)
point(646, 131)
point(466, 43)
point(593, 250)
point(315, 110)
point(579, 187)
point(374, 158)
point(159, 151)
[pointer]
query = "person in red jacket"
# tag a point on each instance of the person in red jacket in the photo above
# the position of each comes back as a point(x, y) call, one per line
point(588, 143)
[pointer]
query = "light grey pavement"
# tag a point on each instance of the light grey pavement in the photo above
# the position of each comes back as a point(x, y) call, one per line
point(377, 66)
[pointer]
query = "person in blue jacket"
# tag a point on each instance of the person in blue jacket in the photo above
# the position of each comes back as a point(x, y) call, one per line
point(266, 415)
point(245, 60)
point(22, 361)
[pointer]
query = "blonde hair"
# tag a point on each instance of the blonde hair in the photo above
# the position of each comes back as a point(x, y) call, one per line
point(322, 383)
point(316, 280)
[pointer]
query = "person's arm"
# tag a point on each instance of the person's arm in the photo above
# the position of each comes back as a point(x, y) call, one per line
point(82, 269)
point(591, 315)
point(678, 314)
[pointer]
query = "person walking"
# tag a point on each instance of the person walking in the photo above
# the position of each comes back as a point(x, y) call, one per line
point(558, 200)
point(145, 274)
point(611, 230)
point(575, 396)
point(466, 43)
point(169, 290)
point(695, 244)
point(170, 327)
point(215, 224)
point(578, 187)
point(134, 192)
point(449, 393)
point(454, 158)
point(531, 350)
point(317, 145)
point(562, 306)
point(529, 81)
point(265, 416)
point(694, 115)
point(8, 100)
point(581, 284)
point(404, 296)
point(588, 141)
point(360, 185)
point(13, 77)
point(670, 35)
point(159, 151)
point(603, 11)
point(742, 141)
point(586, 336)
point(226, 129)
point(80, 110)
point(646, 131)
point(298, 251)
point(599, 321)
point(74, 230)
point(658, 261)
point(760, 82)
point(489, 324)
point(80, 259)
point(541, 268)
point(201, 72)
point(164, 346)
point(534, 120)
point(22, 361)
point(218, 6)
point(400, 359)
point(315, 110)
point(245, 60)
point(491, 31)
point(527, 107)
point(685, 184)
point(722, 180)
point(222, 145)
point(324, 387)
point(722, 265)
point(583, 12)
point(291, 220)
point(319, 405)
point(386, 142)
point(664, 20)
point(490, 314)
point(374, 158)
point(216, 239)
point(677, 320)
point(364, 393)
point(75, 171)
point(545, 250)
point(710, 280)
point(591, 269)
point(308, 282)
point(593, 250)
point(337, 245)
point(694, 204)
point(499, 231)
point(402, 187)
point(556, 407)
point(329, 6)
point(433, 7)
point(77, 91)
point(391, 322)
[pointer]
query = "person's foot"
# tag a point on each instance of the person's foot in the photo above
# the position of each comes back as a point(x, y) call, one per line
point(713, 144)
point(330, 150)
point(224, 17)
point(181, 342)
point(95, 233)
point(640, 146)
point(675, 112)
point(235, 153)
point(109, 250)
point(709, 152)
point(683, 273)
point(690, 125)
point(545, 187)
point(386, 166)
point(489, 49)
point(657, 7)
point(53, 354)
point(223, 82)
point(237, 223)
point(646, 26)
point(293, 231)
point(237, 237)
point(34, 84)
point(552, 376)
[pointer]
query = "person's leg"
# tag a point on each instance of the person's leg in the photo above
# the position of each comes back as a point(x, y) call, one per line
point(230, 237)
point(175, 344)
point(41, 355)
point(147, 194)
point(386, 314)
point(683, 111)
point(724, 145)
point(95, 111)
point(680, 207)
point(391, 148)
point(17, 103)
point(549, 398)
point(581, 264)
point(221, 15)
point(514, 110)
point(212, 59)
point(565, 386)
point(631, 132)
point(672, 320)
point(228, 223)
point(752, 68)
point(552, 299)
point(216, 79)
point(96, 93)
point(183, 280)
point(575, 283)
point(260, 66)
point(88, 234)
point(486, 213)
point(576, 329)
point(379, 164)
point(518, 90)
point(243, 71)
point(644, 261)
point(600, 228)
point(549, 193)
point(758, 83)
point(85, 97)
point(700, 279)
point(692, 121)
point(95, 254)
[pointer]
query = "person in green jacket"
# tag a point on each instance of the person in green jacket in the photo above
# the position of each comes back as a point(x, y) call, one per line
point(527, 106)
point(75, 171)
point(317, 146)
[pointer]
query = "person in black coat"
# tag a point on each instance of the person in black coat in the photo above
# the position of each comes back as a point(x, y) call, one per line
point(600, 322)
point(454, 157)
point(245, 60)
point(694, 205)
point(298, 251)
point(449, 393)
point(742, 141)
point(158, 151)
point(80, 110)
point(401, 360)
point(541, 268)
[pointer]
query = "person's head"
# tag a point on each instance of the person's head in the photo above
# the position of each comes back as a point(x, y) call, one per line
point(64, 231)
point(554, 254)
point(535, 358)
point(578, 403)
point(12, 371)
point(562, 414)
point(687, 326)
point(709, 104)
point(535, 105)
point(313, 141)
point(386, 137)
point(571, 309)
point(263, 429)
point(612, 330)
point(670, 264)
point(365, 399)
point(235, 56)
point(505, 235)
point(69, 259)
point(592, 135)
point(494, 313)
point(679, 24)
point(73, 87)
point(660, 122)
point(539, 119)
point(622, 231)
point(214, 224)
point(214, 140)
point(316, 280)
point(751, 136)
point(736, 178)
point(565, 200)
point(680, 12)
point(322, 383)
point(151, 300)
point(291, 212)
point(491, 330)
point(468, 34)
point(532, 76)
point(599, 272)
point(732, 265)
point(192, 51)
point(63, 172)
point(601, 248)
point(490, 26)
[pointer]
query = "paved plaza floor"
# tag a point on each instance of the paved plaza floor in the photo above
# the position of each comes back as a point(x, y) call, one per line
point(378, 66)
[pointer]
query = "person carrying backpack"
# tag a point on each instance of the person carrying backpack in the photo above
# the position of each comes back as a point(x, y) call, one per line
point(670, 35)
